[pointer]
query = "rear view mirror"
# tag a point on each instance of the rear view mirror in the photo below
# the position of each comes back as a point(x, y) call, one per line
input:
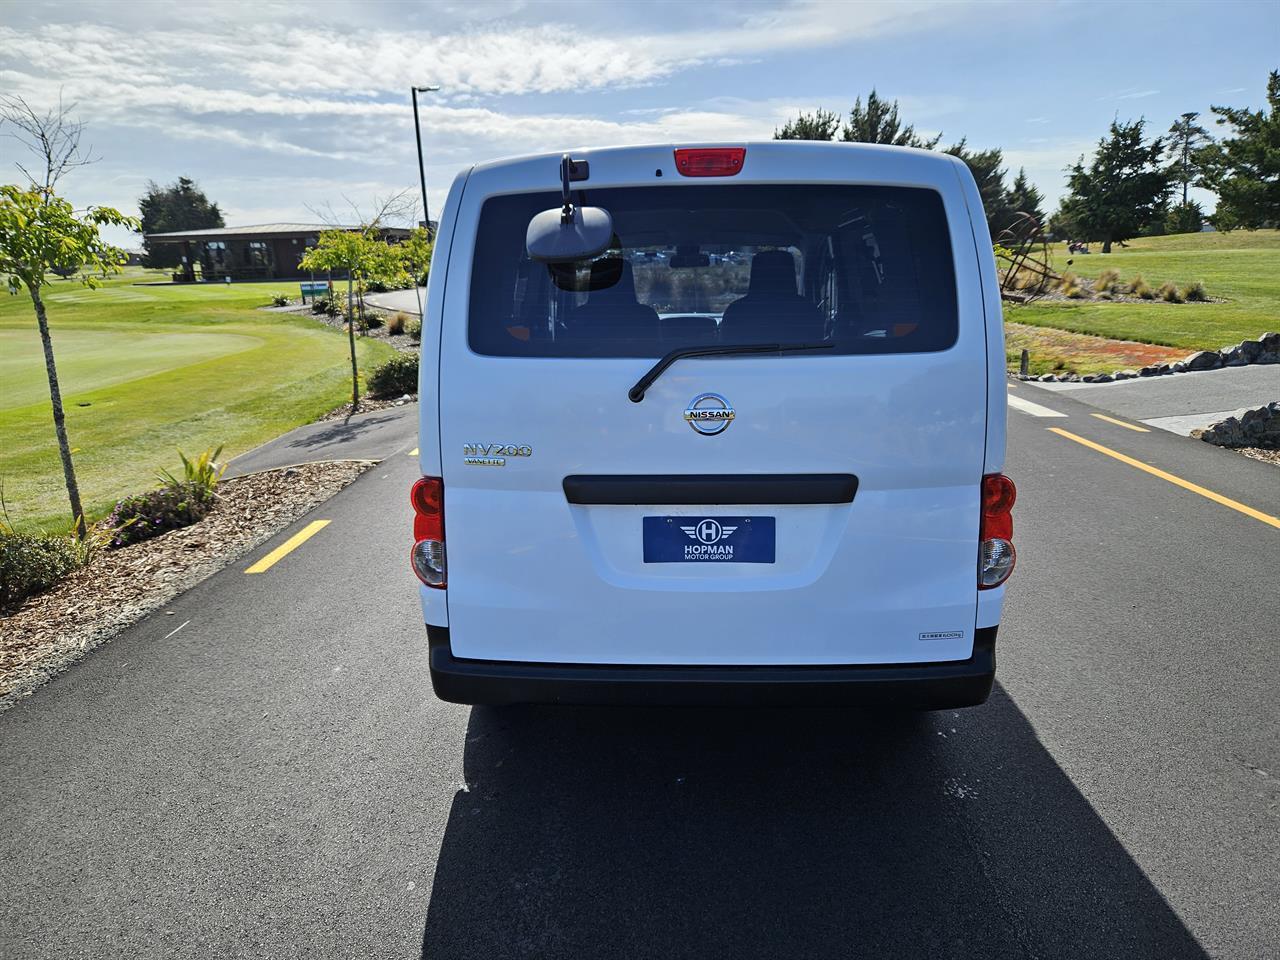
point(570, 232)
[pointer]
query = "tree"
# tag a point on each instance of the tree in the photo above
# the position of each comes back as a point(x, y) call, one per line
point(985, 167)
point(342, 250)
point(876, 122)
point(1244, 169)
point(819, 125)
point(415, 256)
point(41, 234)
point(1184, 218)
point(181, 205)
point(1024, 197)
point(1123, 190)
point(1186, 138)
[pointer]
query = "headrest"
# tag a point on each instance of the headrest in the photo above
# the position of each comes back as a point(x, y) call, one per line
point(611, 277)
point(773, 273)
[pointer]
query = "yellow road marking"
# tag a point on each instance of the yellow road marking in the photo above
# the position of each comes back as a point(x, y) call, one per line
point(413, 452)
point(282, 551)
point(1120, 423)
point(1177, 481)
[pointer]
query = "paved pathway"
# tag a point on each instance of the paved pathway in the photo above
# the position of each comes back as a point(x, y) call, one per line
point(275, 778)
point(375, 435)
point(1181, 402)
point(403, 300)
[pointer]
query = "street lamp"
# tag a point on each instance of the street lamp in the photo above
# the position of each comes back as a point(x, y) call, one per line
point(417, 131)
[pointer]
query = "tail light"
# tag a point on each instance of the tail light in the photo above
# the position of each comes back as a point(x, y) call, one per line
point(427, 556)
point(996, 555)
point(710, 161)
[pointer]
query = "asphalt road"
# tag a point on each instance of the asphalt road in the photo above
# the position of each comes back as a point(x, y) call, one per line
point(275, 779)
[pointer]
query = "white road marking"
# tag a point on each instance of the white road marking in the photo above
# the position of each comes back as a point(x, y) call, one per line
point(175, 630)
point(1026, 406)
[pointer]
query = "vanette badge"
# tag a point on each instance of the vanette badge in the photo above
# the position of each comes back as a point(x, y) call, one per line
point(493, 454)
point(709, 414)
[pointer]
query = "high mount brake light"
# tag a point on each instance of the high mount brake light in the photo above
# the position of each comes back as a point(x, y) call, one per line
point(710, 161)
point(428, 556)
point(996, 556)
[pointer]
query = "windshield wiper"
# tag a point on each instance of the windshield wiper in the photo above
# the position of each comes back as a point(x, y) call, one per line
point(636, 393)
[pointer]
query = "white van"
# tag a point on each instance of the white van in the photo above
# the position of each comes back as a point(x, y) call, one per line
point(714, 424)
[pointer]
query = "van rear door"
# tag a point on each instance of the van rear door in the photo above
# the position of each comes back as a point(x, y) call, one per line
point(811, 507)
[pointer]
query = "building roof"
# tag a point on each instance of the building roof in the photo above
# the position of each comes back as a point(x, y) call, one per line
point(265, 230)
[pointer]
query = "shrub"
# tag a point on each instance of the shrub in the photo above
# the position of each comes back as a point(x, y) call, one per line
point(280, 300)
point(376, 286)
point(414, 329)
point(397, 322)
point(1195, 293)
point(148, 515)
point(1184, 218)
point(31, 563)
point(202, 473)
point(1169, 292)
point(373, 319)
point(1140, 288)
point(327, 305)
point(1108, 282)
point(396, 377)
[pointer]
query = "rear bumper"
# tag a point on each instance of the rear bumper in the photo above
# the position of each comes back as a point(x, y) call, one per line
point(916, 686)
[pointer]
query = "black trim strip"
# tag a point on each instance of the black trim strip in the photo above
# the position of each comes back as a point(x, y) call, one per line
point(711, 488)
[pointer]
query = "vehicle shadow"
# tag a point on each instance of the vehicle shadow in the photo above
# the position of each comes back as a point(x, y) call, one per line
point(781, 833)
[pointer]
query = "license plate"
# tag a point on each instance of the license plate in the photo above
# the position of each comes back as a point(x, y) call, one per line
point(717, 539)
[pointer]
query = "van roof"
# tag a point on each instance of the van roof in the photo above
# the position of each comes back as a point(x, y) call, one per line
point(923, 164)
point(809, 147)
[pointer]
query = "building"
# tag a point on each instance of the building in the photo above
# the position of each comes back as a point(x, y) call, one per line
point(263, 251)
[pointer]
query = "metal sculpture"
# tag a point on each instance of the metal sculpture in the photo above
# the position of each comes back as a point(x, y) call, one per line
point(1022, 250)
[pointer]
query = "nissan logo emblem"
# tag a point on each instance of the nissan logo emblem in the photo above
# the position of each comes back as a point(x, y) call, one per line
point(709, 414)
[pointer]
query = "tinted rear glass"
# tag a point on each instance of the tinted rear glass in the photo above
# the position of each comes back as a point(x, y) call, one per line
point(868, 269)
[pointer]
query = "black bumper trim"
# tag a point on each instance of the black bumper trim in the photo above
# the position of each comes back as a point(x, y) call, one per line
point(710, 488)
point(923, 686)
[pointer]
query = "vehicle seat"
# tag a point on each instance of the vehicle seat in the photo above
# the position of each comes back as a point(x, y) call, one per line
point(613, 311)
point(772, 311)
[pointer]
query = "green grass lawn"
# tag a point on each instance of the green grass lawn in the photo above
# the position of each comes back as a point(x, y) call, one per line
point(1242, 267)
point(146, 370)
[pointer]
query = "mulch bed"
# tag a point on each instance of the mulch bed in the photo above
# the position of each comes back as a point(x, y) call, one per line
point(53, 630)
point(1265, 454)
point(366, 405)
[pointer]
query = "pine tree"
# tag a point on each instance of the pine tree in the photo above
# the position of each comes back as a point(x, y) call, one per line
point(1244, 169)
point(179, 206)
point(878, 122)
point(1123, 189)
point(986, 170)
point(1186, 138)
point(1024, 197)
point(819, 125)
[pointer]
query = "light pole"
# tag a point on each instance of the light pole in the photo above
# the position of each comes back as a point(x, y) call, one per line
point(417, 132)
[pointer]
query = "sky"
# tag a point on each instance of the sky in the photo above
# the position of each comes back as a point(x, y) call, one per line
point(280, 109)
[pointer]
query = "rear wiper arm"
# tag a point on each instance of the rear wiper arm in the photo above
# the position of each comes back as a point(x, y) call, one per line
point(636, 393)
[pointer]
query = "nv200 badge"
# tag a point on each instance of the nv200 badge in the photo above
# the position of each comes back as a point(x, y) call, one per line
point(493, 454)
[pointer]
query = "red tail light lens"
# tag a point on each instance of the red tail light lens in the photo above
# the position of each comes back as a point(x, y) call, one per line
point(428, 554)
point(710, 161)
point(996, 556)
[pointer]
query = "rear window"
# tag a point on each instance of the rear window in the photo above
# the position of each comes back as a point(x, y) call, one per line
point(866, 268)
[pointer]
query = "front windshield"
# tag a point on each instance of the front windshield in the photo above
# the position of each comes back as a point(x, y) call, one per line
point(867, 269)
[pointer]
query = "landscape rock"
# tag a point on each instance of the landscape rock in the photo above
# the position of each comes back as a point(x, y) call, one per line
point(1249, 350)
point(1047, 378)
point(1203, 360)
point(1270, 342)
point(1237, 362)
point(1103, 378)
point(1125, 374)
point(1180, 367)
point(1254, 428)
